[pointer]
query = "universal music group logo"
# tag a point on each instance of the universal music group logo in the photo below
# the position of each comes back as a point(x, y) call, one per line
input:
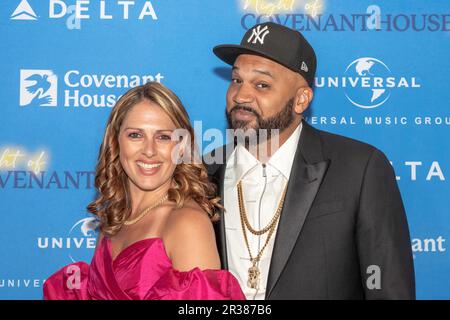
point(368, 82)
point(78, 243)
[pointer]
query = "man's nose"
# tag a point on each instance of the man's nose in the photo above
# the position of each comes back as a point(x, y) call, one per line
point(243, 95)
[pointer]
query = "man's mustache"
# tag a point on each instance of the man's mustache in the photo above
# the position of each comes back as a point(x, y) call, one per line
point(245, 108)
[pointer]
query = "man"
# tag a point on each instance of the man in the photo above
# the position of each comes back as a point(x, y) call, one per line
point(320, 217)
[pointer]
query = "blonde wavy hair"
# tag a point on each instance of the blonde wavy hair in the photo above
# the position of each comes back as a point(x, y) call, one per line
point(113, 203)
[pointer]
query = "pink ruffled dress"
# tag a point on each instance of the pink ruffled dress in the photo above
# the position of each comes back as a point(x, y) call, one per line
point(142, 271)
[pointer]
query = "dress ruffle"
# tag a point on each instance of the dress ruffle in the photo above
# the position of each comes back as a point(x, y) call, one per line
point(143, 271)
point(196, 285)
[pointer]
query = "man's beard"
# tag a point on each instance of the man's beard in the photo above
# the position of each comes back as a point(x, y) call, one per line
point(280, 121)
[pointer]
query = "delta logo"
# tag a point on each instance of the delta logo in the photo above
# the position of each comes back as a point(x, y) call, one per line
point(86, 10)
point(24, 12)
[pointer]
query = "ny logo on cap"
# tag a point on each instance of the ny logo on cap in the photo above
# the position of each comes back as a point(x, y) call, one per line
point(258, 34)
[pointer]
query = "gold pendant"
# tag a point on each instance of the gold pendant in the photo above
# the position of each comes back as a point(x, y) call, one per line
point(253, 277)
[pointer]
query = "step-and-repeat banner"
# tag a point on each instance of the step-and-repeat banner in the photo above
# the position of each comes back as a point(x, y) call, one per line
point(383, 69)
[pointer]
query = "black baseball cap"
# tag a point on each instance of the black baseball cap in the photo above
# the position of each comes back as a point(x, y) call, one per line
point(281, 44)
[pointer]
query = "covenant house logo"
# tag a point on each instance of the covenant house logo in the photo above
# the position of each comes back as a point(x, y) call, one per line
point(40, 88)
point(312, 16)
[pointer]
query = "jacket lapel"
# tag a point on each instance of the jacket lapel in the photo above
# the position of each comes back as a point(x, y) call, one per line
point(219, 227)
point(308, 170)
point(217, 174)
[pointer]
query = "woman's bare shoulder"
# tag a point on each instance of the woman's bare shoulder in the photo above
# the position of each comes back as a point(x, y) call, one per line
point(190, 218)
point(190, 240)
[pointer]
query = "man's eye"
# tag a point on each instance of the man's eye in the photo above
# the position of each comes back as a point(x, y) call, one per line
point(262, 85)
point(134, 135)
point(235, 80)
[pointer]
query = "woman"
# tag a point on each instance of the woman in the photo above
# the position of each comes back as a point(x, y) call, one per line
point(155, 211)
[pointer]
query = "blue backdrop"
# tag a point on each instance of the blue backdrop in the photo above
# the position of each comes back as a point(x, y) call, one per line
point(382, 78)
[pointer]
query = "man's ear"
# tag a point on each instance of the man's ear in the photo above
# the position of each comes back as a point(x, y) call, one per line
point(303, 97)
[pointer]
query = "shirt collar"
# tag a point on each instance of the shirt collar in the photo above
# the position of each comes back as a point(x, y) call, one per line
point(241, 161)
point(283, 158)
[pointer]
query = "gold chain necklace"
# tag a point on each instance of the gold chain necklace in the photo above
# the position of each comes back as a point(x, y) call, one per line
point(253, 271)
point(143, 213)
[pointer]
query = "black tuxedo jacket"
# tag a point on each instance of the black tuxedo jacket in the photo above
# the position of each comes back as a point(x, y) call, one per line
point(343, 232)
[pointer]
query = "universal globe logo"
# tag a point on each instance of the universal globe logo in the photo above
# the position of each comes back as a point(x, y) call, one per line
point(372, 91)
point(368, 82)
point(84, 229)
point(79, 242)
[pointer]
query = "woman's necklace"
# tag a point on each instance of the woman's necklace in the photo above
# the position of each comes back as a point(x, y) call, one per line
point(143, 213)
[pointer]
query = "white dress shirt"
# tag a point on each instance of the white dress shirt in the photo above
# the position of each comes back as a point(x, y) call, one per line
point(262, 188)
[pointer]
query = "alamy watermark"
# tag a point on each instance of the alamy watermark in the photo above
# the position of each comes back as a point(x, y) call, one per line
point(261, 143)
